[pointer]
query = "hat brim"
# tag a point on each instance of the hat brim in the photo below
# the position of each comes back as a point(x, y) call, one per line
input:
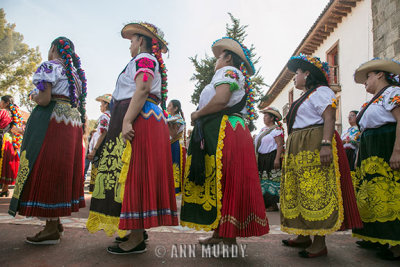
point(296, 63)
point(273, 112)
point(102, 98)
point(360, 75)
point(135, 28)
point(228, 44)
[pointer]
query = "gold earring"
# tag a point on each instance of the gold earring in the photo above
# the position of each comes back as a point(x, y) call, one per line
point(138, 50)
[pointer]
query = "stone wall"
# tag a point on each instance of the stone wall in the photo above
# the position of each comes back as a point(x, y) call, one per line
point(386, 28)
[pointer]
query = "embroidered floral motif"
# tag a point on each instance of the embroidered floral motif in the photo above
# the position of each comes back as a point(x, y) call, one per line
point(202, 194)
point(232, 74)
point(364, 105)
point(145, 63)
point(23, 173)
point(377, 198)
point(110, 166)
point(395, 100)
point(46, 68)
point(378, 100)
point(309, 190)
point(334, 102)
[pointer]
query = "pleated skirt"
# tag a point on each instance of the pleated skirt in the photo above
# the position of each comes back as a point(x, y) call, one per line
point(54, 187)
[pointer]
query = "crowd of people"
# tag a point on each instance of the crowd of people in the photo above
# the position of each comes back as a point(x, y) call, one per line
point(142, 157)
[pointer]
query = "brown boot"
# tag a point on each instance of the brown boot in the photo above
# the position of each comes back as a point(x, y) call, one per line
point(48, 236)
point(60, 227)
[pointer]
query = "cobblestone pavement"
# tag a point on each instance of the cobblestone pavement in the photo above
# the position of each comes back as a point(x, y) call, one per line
point(167, 246)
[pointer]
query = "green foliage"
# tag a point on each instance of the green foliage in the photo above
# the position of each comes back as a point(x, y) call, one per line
point(18, 62)
point(204, 68)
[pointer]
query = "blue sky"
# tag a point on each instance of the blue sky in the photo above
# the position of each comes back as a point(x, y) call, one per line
point(275, 28)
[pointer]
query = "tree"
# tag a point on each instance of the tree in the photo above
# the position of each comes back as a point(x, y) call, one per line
point(204, 68)
point(17, 62)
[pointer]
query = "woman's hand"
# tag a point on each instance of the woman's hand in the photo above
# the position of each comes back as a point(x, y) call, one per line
point(395, 160)
point(90, 156)
point(277, 164)
point(325, 155)
point(127, 132)
point(194, 116)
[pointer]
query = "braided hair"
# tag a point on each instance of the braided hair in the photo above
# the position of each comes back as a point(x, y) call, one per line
point(16, 121)
point(248, 86)
point(66, 50)
point(156, 50)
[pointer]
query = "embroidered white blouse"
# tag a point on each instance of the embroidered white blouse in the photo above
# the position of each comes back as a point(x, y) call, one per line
point(351, 137)
point(268, 143)
point(126, 84)
point(229, 75)
point(379, 112)
point(54, 72)
point(310, 111)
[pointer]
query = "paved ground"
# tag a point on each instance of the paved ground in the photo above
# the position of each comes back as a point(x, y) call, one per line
point(167, 246)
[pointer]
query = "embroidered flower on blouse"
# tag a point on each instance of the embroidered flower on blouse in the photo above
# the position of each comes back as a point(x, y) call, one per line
point(47, 68)
point(334, 102)
point(364, 105)
point(378, 100)
point(232, 74)
point(145, 63)
point(395, 100)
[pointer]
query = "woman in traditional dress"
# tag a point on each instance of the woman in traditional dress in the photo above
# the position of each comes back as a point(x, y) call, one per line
point(350, 139)
point(50, 177)
point(317, 197)
point(176, 125)
point(377, 179)
point(221, 189)
point(10, 140)
point(134, 188)
point(269, 148)
point(97, 141)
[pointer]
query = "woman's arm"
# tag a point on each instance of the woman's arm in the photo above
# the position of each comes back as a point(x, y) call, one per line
point(135, 106)
point(44, 97)
point(395, 158)
point(279, 150)
point(90, 156)
point(326, 156)
point(217, 103)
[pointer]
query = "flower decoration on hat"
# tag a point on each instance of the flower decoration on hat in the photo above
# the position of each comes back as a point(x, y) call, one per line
point(246, 52)
point(316, 62)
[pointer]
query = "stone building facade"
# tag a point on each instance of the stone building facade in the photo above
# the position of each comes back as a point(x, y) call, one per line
point(386, 28)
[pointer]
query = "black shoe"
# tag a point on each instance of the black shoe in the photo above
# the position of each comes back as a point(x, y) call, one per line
point(119, 251)
point(125, 238)
point(387, 254)
point(370, 245)
point(5, 194)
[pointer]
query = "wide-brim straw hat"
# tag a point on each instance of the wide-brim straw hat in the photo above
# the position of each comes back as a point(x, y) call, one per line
point(145, 29)
point(313, 64)
point(106, 98)
point(376, 64)
point(227, 43)
point(273, 111)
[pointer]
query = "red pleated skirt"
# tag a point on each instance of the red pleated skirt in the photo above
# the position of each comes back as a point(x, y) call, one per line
point(243, 211)
point(149, 196)
point(54, 187)
point(10, 163)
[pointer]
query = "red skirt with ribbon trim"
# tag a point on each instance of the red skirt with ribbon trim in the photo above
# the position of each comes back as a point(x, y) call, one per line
point(243, 211)
point(149, 193)
point(54, 187)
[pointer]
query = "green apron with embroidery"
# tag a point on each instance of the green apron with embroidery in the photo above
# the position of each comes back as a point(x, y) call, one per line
point(34, 135)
